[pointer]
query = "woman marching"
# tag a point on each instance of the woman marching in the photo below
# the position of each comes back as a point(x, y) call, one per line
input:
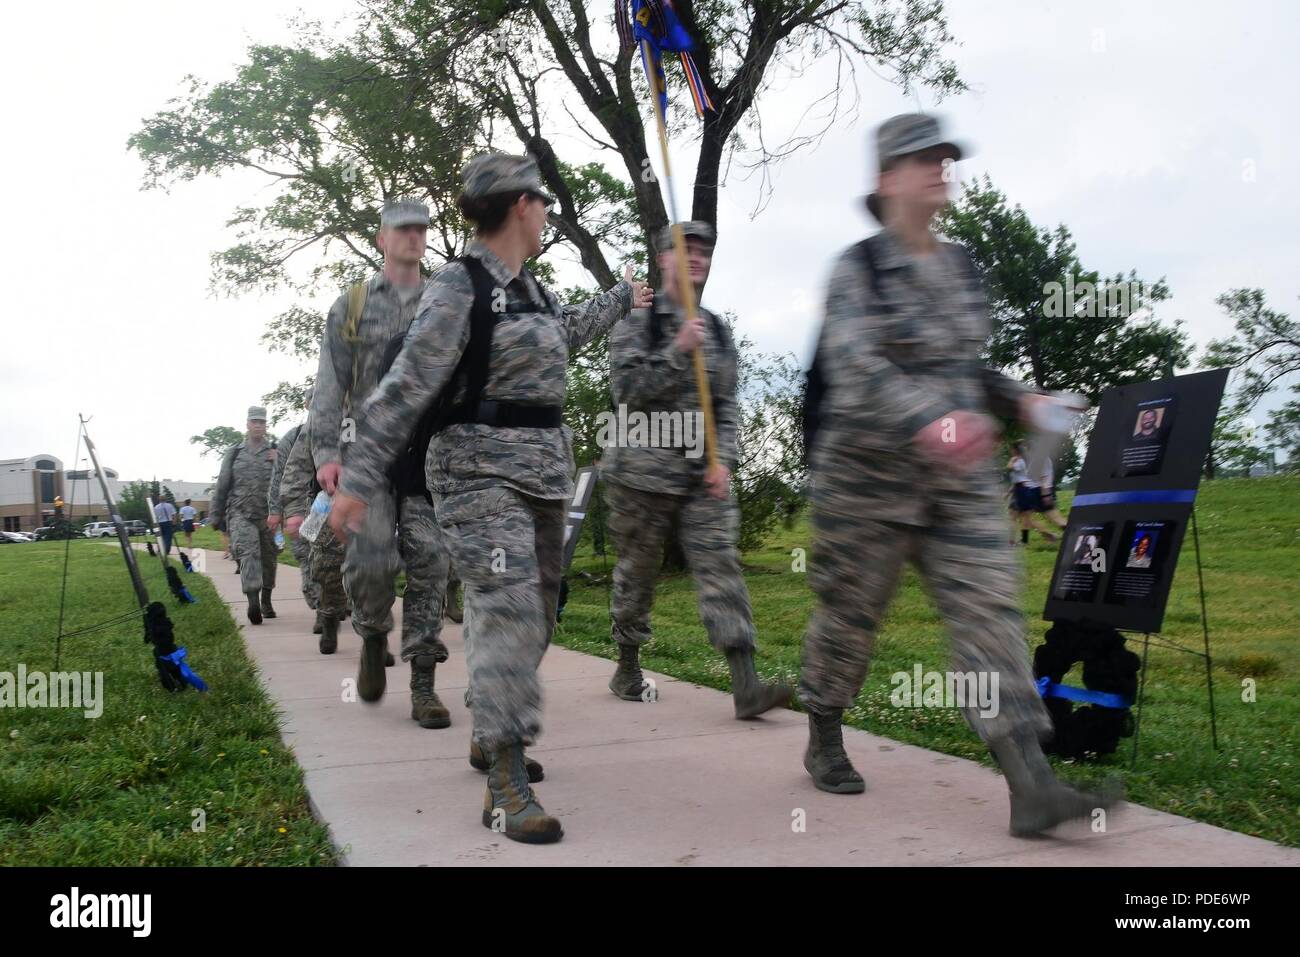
point(486, 354)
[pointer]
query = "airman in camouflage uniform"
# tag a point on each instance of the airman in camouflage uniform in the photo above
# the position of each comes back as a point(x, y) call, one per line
point(347, 374)
point(902, 470)
point(662, 480)
point(325, 555)
point(501, 471)
point(239, 505)
point(300, 547)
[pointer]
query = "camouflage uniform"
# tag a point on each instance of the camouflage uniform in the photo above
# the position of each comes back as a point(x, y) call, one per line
point(239, 505)
point(300, 547)
point(325, 555)
point(894, 363)
point(427, 559)
point(651, 489)
point(499, 492)
point(346, 376)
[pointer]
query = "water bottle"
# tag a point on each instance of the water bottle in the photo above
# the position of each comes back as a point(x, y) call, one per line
point(320, 507)
point(279, 540)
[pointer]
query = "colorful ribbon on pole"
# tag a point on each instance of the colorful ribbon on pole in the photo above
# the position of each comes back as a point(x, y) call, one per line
point(655, 22)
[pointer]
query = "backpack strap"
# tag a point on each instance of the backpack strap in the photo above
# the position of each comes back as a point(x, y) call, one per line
point(408, 470)
point(814, 381)
point(482, 324)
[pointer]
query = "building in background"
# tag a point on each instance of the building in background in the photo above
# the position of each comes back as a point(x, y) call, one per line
point(29, 486)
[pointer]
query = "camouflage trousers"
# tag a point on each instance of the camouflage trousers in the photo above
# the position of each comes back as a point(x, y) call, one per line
point(508, 548)
point(370, 568)
point(639, 522)
point(971, 573)
point(424, 553)
point(327, 574)
point(252, 544)
point(301, 549)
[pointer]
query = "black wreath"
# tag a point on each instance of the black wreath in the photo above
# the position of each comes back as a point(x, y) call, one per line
point(1107, 666)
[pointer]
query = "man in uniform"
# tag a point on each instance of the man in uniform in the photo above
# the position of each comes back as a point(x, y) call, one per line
point(300, 547)
point(902, 469)
point(240, 506)
point(359, 327)
point(298, 489)
point(662, 483)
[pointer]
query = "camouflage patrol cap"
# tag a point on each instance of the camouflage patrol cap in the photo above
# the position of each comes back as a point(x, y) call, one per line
point(404, 211)
point(903, 135)
point(256, 413)
point(491, 173)
point(697, 228)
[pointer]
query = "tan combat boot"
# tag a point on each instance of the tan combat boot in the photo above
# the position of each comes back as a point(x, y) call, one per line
point(1039, 801)
point(510, 807)
point(425, 706)
point(628, 683)
point(826, 759)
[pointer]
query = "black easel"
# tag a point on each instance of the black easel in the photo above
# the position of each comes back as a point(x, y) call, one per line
point(1209, 675)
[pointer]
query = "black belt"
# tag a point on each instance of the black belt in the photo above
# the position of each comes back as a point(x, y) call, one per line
point(511, 415)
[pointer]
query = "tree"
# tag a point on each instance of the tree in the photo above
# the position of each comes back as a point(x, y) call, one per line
point(1233, 447)
point(769, 474)
point(1054, 322)
point(217, 439)
point(1265, 350)
point(131, 503)
point(336, 125)
point(1284, 433)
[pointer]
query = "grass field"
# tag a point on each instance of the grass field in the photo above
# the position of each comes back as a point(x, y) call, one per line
point(125, 788)
point(1250, 541)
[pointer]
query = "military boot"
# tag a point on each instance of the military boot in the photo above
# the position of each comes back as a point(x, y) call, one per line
point(254, 608)
point(510, 807)
point(751, 696)
point(1039, 801)
point(371, 679)
point(826, 759)
point(319, 626)
point(455, 610)
point(425, 706)
point(479, 761)
point(329, 635)
point(628, 682)
point(267, 610)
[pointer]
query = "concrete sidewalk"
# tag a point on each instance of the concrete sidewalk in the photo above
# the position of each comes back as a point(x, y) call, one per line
point(676, 782)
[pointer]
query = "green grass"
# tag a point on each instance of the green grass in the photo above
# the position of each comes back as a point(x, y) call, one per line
point(1250, 542)
point(121, 789)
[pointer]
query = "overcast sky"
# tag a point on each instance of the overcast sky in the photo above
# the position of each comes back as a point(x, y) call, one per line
point(1162, 134)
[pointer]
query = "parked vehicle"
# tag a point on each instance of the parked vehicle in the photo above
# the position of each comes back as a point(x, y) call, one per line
point(14, 537)
point(58, 531)
point(100, 530)
point(136, 527)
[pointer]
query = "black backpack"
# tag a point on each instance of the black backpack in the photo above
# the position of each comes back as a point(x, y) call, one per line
point(814, 388)
point(407, 472)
